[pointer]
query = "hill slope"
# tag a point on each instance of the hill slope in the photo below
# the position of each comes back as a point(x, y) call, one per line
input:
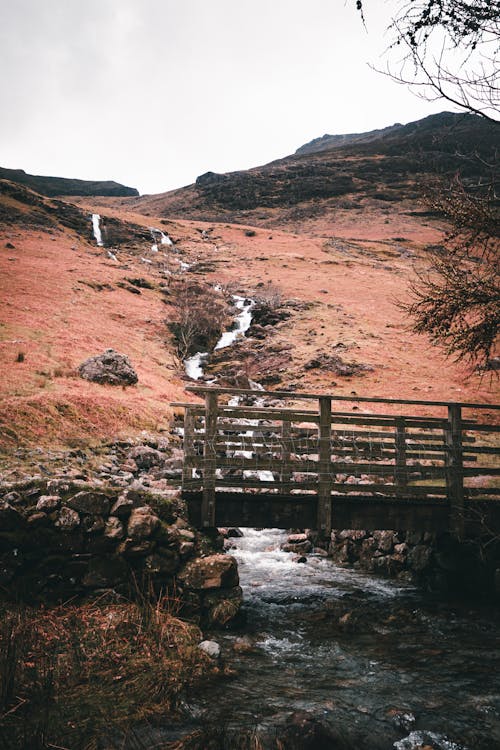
point(51, 186)
point(353, 172)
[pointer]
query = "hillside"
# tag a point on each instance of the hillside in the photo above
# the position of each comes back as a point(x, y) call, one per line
point(51, 186)
point(360, 174)
point(64, 299)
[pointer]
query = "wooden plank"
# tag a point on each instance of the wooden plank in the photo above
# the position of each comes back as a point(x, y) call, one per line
point(400, 473)
point(209, 461)
point(187, 472)
point(454, 469)
point(286, 449)
point(292, 395)
point(324, 524)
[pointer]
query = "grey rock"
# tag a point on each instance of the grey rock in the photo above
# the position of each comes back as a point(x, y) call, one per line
point(145, 457)
point(212, 648)
point(114, 529)
point(68, 519)
point(48, 503)
point(110, 367)
point(91, 503)
point(142, 523)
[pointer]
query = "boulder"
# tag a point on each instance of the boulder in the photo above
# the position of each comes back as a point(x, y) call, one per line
point(145, 457)
point(110, 367)
point(212, 572)
point(114, 528)
point(212, 648)
point(142, 523)
point(68, 519)
point(221, 606)
point(48, 503)
point(90, 503)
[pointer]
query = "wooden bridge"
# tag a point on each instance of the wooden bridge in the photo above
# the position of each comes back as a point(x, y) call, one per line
point(351, 462)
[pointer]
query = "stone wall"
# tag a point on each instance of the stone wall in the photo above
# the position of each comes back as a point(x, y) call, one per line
point(62, 540)
point(437, 562)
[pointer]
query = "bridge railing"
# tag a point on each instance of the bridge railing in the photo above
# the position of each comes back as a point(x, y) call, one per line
point(324, 452)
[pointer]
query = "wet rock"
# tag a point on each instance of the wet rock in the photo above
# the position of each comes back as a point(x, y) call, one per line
point(303, 731)
point(13, 497)
point(38, 519)
point(48, 503)
point(243, 645)
point(301, 547)
point(91, 503)
point(211, 648)
point(419, 558)
point(110, 367)
point(221, 606)
point(68, 519)
point(213, 572)
point(384, 540)
point(142, 523)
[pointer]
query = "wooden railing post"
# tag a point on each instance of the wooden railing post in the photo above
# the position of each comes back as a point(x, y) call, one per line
point(454, 468)
point(209, 462)
point(286, 449)
point(400, 471)
point(325, 456)
point(189, 422)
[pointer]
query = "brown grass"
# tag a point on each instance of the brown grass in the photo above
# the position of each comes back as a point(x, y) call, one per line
point(75, 673)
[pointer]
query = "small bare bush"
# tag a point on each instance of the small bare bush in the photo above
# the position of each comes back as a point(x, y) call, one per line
point(200, 314)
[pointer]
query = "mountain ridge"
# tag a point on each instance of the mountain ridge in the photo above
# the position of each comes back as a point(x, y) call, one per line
point(52, 186)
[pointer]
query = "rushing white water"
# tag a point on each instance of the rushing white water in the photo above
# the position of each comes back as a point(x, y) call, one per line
point(163, 238)
point(242, 322)
point(194, 365)
point(268, 574)
point(97, 229)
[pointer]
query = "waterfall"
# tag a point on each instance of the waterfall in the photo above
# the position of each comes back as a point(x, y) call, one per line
point(97, 229)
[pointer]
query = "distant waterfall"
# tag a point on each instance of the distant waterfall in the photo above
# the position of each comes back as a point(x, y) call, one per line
point(97, 229)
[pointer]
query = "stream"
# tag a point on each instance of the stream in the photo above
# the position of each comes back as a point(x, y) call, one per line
point(377, 663)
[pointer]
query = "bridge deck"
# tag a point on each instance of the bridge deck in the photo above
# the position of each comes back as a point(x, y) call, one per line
point(250, 464)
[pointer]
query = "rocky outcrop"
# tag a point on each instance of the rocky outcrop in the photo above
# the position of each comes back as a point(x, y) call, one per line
point(110, 367)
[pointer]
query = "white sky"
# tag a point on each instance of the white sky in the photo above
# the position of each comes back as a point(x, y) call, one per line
point(152, 93)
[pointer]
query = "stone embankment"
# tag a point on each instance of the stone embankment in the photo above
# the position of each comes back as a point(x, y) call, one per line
point(438, 562)
point(120, 534)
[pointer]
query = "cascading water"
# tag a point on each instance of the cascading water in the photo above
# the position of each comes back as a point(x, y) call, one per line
point(97, 229)
point(382, 665)
point(194, 365)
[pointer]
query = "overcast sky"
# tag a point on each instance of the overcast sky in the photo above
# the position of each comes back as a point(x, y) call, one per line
point(152, 93)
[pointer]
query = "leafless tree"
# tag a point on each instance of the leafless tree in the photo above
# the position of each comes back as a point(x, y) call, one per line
point(456, 301)
point(199, 315)
point(449, 51)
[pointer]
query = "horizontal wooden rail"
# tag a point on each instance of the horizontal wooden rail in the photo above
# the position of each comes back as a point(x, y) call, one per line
point(271, 451)
point(294, 395)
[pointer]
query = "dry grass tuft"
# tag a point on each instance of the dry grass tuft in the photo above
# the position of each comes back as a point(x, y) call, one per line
point(72, 674)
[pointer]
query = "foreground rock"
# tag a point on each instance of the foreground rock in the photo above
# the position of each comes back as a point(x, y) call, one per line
point(110, 367)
